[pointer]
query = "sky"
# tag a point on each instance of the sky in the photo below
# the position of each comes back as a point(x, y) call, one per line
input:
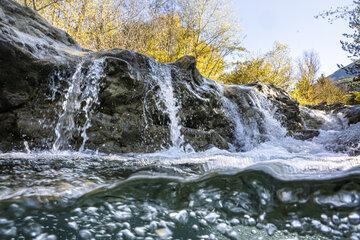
point(292, 22)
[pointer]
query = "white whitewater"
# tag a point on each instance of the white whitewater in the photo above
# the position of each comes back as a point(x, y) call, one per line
point(241, 135)
point(273, 127)
point(330, 120)
point(161, 74)
point(247, 131)
point(81, 96)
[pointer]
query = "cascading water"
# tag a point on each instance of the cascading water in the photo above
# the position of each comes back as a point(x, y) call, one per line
point(81, 96)
point(241, 135)
point(273, 127)
point(247, 133)
point(161, 74)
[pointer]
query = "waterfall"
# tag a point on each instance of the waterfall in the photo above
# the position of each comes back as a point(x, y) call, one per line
point(80, 97)
point(232, 111)
point(273, 127)
point(247, 133)
point(161, 73)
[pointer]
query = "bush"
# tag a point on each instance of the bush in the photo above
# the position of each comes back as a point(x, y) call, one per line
point(323, 91)
point(273, 67)
point(354, 98)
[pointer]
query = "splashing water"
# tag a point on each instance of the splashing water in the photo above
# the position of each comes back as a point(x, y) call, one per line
point(162, 75)
point(273, 128)
point(81, 95)
point(240, 134)
point(328, 120)
point(247, 132)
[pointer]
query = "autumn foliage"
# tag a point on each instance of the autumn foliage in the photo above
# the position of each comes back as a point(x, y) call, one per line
point(163, 29)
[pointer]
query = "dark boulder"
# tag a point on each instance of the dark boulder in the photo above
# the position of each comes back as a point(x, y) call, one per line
point(352, 113)
point(30, 50)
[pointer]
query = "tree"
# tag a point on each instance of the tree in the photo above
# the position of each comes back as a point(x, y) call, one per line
point(350, 13)
point(38, 5)
point(214, 31)
point(308, 67)
point(327, 92)
point(310, 90)
point(163, 29)
point(274, 67)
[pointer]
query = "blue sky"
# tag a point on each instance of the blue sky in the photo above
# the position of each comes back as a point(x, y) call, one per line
point(292, 22)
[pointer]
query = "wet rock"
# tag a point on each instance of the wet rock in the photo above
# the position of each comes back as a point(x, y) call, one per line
point(287, 109)
point(306, 134)
point(352, 113)
point(30, 50)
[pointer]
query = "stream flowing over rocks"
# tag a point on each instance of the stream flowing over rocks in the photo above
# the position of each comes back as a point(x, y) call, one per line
point(115, 145)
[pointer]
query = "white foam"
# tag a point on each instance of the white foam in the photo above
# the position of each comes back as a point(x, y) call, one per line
point(161, 73)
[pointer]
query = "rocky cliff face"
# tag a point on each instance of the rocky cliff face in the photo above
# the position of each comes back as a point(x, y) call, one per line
point(30, 49)
point(55, 95)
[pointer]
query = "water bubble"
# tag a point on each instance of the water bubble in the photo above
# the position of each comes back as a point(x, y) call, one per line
point(270, 228)
point(153, 225)
point(335, 219)
point(121, 216)
point(91, 211)
point(45, 236)
point(140, 231)
point(181, 217)
point(316, 223)
point(163, 232)
point(203, 222)
point(296, 224)
point(233, 235)
point(343, 227)
point(16, 210)
point(73, 225)
point(262, 217)
point(324, 217)
point(212, 236)
point(354, 218)
point(195, 227)
point(325, 229)
point(251, 221)
point(234, 221)
point(127, 234)
point(223, 228)
point(85, 234)
point(126, 225)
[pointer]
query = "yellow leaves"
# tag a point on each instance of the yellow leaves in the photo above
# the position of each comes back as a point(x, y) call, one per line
point(164, 30)
point(273, 67)
point(357, 97)
point(311, 91)
point(323, 91)
point(172, 41)
point(304, 92)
